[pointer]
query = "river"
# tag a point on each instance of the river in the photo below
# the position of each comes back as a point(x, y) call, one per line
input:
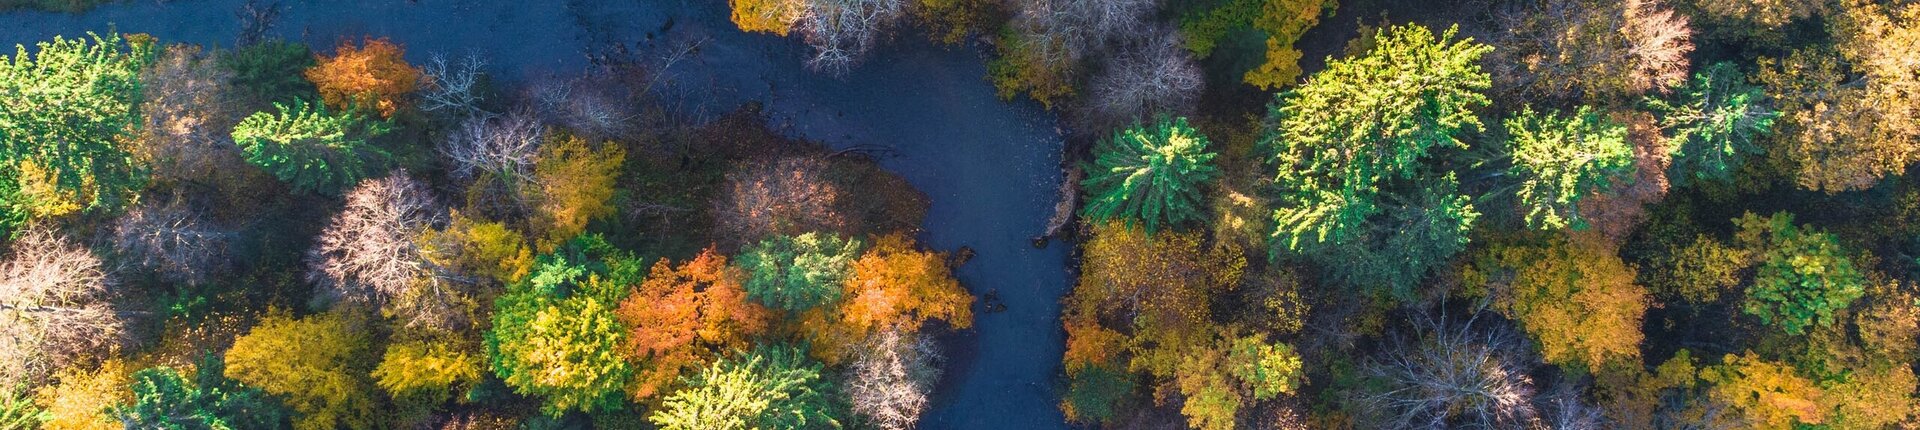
point(990, 167)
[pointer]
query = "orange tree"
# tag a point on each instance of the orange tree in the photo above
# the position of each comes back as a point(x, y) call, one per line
point(892, 287)
point(374, 75)
point(682, 318)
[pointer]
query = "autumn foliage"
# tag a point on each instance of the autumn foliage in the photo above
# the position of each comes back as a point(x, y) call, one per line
point(684, 317)
point(374, 75)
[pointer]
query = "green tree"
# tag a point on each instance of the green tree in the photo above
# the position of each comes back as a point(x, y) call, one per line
point(1413, 235)
point(1269, 369)
point(311, 148)
point(1561, 159)
point(65, 117)
point(1714, 125)
point(797, 273)
point(270, 71)
point(1095, 393)
point(1365, 121)
point(1805, 276)
point(17, 411)
point(1150, 175)
point(772, 388)
point(555, 335)
point(164, 399)
point(318, 365)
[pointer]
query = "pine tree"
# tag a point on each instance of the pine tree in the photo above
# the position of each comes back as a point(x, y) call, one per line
point(1150, 175)
point(311, 148)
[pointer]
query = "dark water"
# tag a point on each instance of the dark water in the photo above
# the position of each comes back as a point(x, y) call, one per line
point(989, 166)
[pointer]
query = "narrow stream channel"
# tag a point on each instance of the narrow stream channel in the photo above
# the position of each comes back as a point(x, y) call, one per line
point(990, 167)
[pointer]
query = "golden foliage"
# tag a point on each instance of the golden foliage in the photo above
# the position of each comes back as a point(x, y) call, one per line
point(426, 370)
point(682, 318)
point(314, 364)
point(1767, 393)
point(1573, 296)
point(374, 76)
point(1284, 21)
point(80, 399)
point(576, 182)
point(769, 16)
point(892, 287)
point(479, 247)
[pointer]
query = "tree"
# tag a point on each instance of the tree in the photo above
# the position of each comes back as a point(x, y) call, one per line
point(83, 399)
point(891, 379)
point(70, 110)
point(18, 412)
point(1847, 112)
point(770, 16)
point(1266, 369)
point(1148, 77)
point(1448, 375)
point(369, 253)
point(842, 31)
point(452, 87)
point(1767, 394)
point(896, 287)
point(797, 273)
point(504, 147)
point(681, 318)
point(1043, 44)
point(53, 306)
point(1150, 175)
point(1157, 286)
point(783, 196)
point(317, 364)
point(1594, 50)
point(311, 148)
point(1411, 236)
point(1211, 401)
point(1805, 275)
point(1715, 125)
point(172, 240)
point(374, 75)
point(1560, 160)
point(1365, 121)
point(486, 250)
point(422, 374)
point(1572, 296)
point(555, 335)
point(270, 71)
point(576, 183)
point(188, 101)
point(165, 399)
point(772, 387)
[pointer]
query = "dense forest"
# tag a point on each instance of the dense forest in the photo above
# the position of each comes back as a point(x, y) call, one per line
point(1285, 214)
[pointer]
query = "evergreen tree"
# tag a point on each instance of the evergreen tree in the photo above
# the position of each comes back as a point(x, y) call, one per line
point(1150, 175)
point(555, 335)
point(770, 388)
point(1562, 159)
point(797, 273)
point(1714, 125)
point(311, 148)
point(66, 113)
point(164, 399)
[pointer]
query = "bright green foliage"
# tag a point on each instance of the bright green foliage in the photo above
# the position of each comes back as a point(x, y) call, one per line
point(1271, 369)
point(1365, 121)
point(271, 71)
point(1211, 400)
point(1094, 394)
point(1805, 276)
point(1149, 175)
point(311, 148)
point(317, 364)
point(1561, 159)
point(165, 400)
point(771, 388)
point(555, 335)
point(1714, 125)
point(17, 411)
point(66, 112)
point(1415, 234)
point(797, 273)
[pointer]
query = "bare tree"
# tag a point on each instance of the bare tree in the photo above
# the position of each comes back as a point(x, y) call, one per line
point(504, 147)
point(1597, 50)
point(369, 254)
point(1450, 375)
point(188, 107)
point(842, 31)
point(891, 378)
point(450, 87)
point(789, 195)
point(53, 306)
point(589, 106)
point(1153, 75)
point(171, 240)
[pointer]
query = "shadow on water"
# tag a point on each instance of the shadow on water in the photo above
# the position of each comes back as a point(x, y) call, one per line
point(991, 168)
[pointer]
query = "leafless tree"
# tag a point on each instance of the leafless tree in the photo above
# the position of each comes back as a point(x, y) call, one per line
point(53, 306)
point(1077, 28)
point(1151, 76)
point(1562, 409)
point(1450, 375)
point(842, 31)
point(789, 195)
point(1597, 50)
point(255, 20)
point(588, 106)
point(504, 147)
point(450, 87)
point(188, 108)
point(891, 378)
point(369, 254)
point(171, 240)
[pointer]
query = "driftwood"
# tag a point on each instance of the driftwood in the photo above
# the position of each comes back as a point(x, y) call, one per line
point(1063, 209)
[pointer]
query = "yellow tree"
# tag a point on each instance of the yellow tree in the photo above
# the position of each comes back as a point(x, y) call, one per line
point(576, 181)
point(318, 365)
point(1574, 297)
point(892, 287)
